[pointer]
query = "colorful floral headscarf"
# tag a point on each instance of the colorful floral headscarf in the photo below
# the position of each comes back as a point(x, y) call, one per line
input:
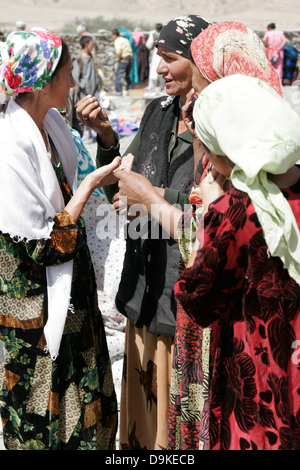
point(178, 34)
point(28, 60)
point(230, 47)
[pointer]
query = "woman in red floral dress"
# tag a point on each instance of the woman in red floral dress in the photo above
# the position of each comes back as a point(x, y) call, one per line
point(222, 49)
point(243, 279)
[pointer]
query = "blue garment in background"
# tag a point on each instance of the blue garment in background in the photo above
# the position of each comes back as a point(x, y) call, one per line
point(134, 74)
point(289, 61)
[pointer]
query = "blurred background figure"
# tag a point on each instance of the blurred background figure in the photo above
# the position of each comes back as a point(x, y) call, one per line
point(83, 31)
point(124, 54)
point(85, 73)
point(275, 40)
point(156, 82)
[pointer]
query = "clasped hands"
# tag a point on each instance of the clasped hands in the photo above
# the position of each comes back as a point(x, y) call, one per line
point(134, 188)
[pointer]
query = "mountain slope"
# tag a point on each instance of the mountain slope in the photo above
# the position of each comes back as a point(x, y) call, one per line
point(54, 13)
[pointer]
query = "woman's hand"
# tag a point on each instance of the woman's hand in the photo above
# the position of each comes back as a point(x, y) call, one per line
point(94, 116)
point(133, 187)
point(138, 194)
point(127, 162)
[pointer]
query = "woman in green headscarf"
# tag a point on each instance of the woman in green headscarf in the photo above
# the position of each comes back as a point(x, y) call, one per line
point(244, 277)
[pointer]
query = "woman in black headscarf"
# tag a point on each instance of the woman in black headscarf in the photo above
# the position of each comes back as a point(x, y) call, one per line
point(163, 153)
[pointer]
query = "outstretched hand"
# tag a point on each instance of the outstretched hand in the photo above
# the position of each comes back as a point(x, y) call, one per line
point(187, 113)
point(105, 175)
point(134, 188)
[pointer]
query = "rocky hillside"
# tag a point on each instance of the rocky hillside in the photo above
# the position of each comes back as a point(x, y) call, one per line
point(54, 13)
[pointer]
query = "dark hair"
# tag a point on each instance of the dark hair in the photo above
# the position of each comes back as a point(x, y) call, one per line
point(272, 26)
point(159, 26)
point(116, 32)
point(85, 40)
point(64, 57)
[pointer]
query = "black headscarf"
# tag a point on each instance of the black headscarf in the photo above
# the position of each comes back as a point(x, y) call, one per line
point(178, 34)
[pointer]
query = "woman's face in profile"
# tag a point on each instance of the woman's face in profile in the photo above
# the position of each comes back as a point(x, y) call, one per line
point(175, 70)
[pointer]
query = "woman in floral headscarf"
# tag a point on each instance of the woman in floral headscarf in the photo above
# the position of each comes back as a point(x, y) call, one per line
point(56, 388)
point(163, 154)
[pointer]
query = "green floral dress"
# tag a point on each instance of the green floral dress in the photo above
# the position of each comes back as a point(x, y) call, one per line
point(69, 403)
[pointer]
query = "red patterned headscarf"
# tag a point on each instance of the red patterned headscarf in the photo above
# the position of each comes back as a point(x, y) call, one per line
point(228, 48)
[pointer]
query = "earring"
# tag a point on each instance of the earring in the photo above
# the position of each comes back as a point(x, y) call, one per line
point(211, 180)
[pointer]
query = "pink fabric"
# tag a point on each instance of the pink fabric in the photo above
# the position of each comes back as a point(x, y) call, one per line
point(230, 47)
point(275, 40)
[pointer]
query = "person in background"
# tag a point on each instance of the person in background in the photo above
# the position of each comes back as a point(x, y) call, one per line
point(290, 68)
point(142, 55)
point(84, 69)
point(163, 156)
point(124, 54)
point(82, 31)
point(20, 25)
point(56, 386)
point(85, 74)
point(243, 278)
point(275, 41)
point(155, 81)
point(134, 76)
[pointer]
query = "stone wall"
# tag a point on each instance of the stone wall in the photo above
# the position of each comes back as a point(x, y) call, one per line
point(105, 58)
point(292, 36)
point(105, 52)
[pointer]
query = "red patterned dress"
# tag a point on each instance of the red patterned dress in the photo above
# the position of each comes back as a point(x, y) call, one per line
point(253, 308)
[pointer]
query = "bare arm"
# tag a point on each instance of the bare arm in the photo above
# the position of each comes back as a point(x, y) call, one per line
point(98, 178)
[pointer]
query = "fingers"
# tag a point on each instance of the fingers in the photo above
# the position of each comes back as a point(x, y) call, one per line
point(127, 162)
point(115, 163)
point(125, 167)
point(119, 204)
point(89, 110)
point(188, 106)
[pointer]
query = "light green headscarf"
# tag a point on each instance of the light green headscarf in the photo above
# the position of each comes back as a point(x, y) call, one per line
point(245, 119)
